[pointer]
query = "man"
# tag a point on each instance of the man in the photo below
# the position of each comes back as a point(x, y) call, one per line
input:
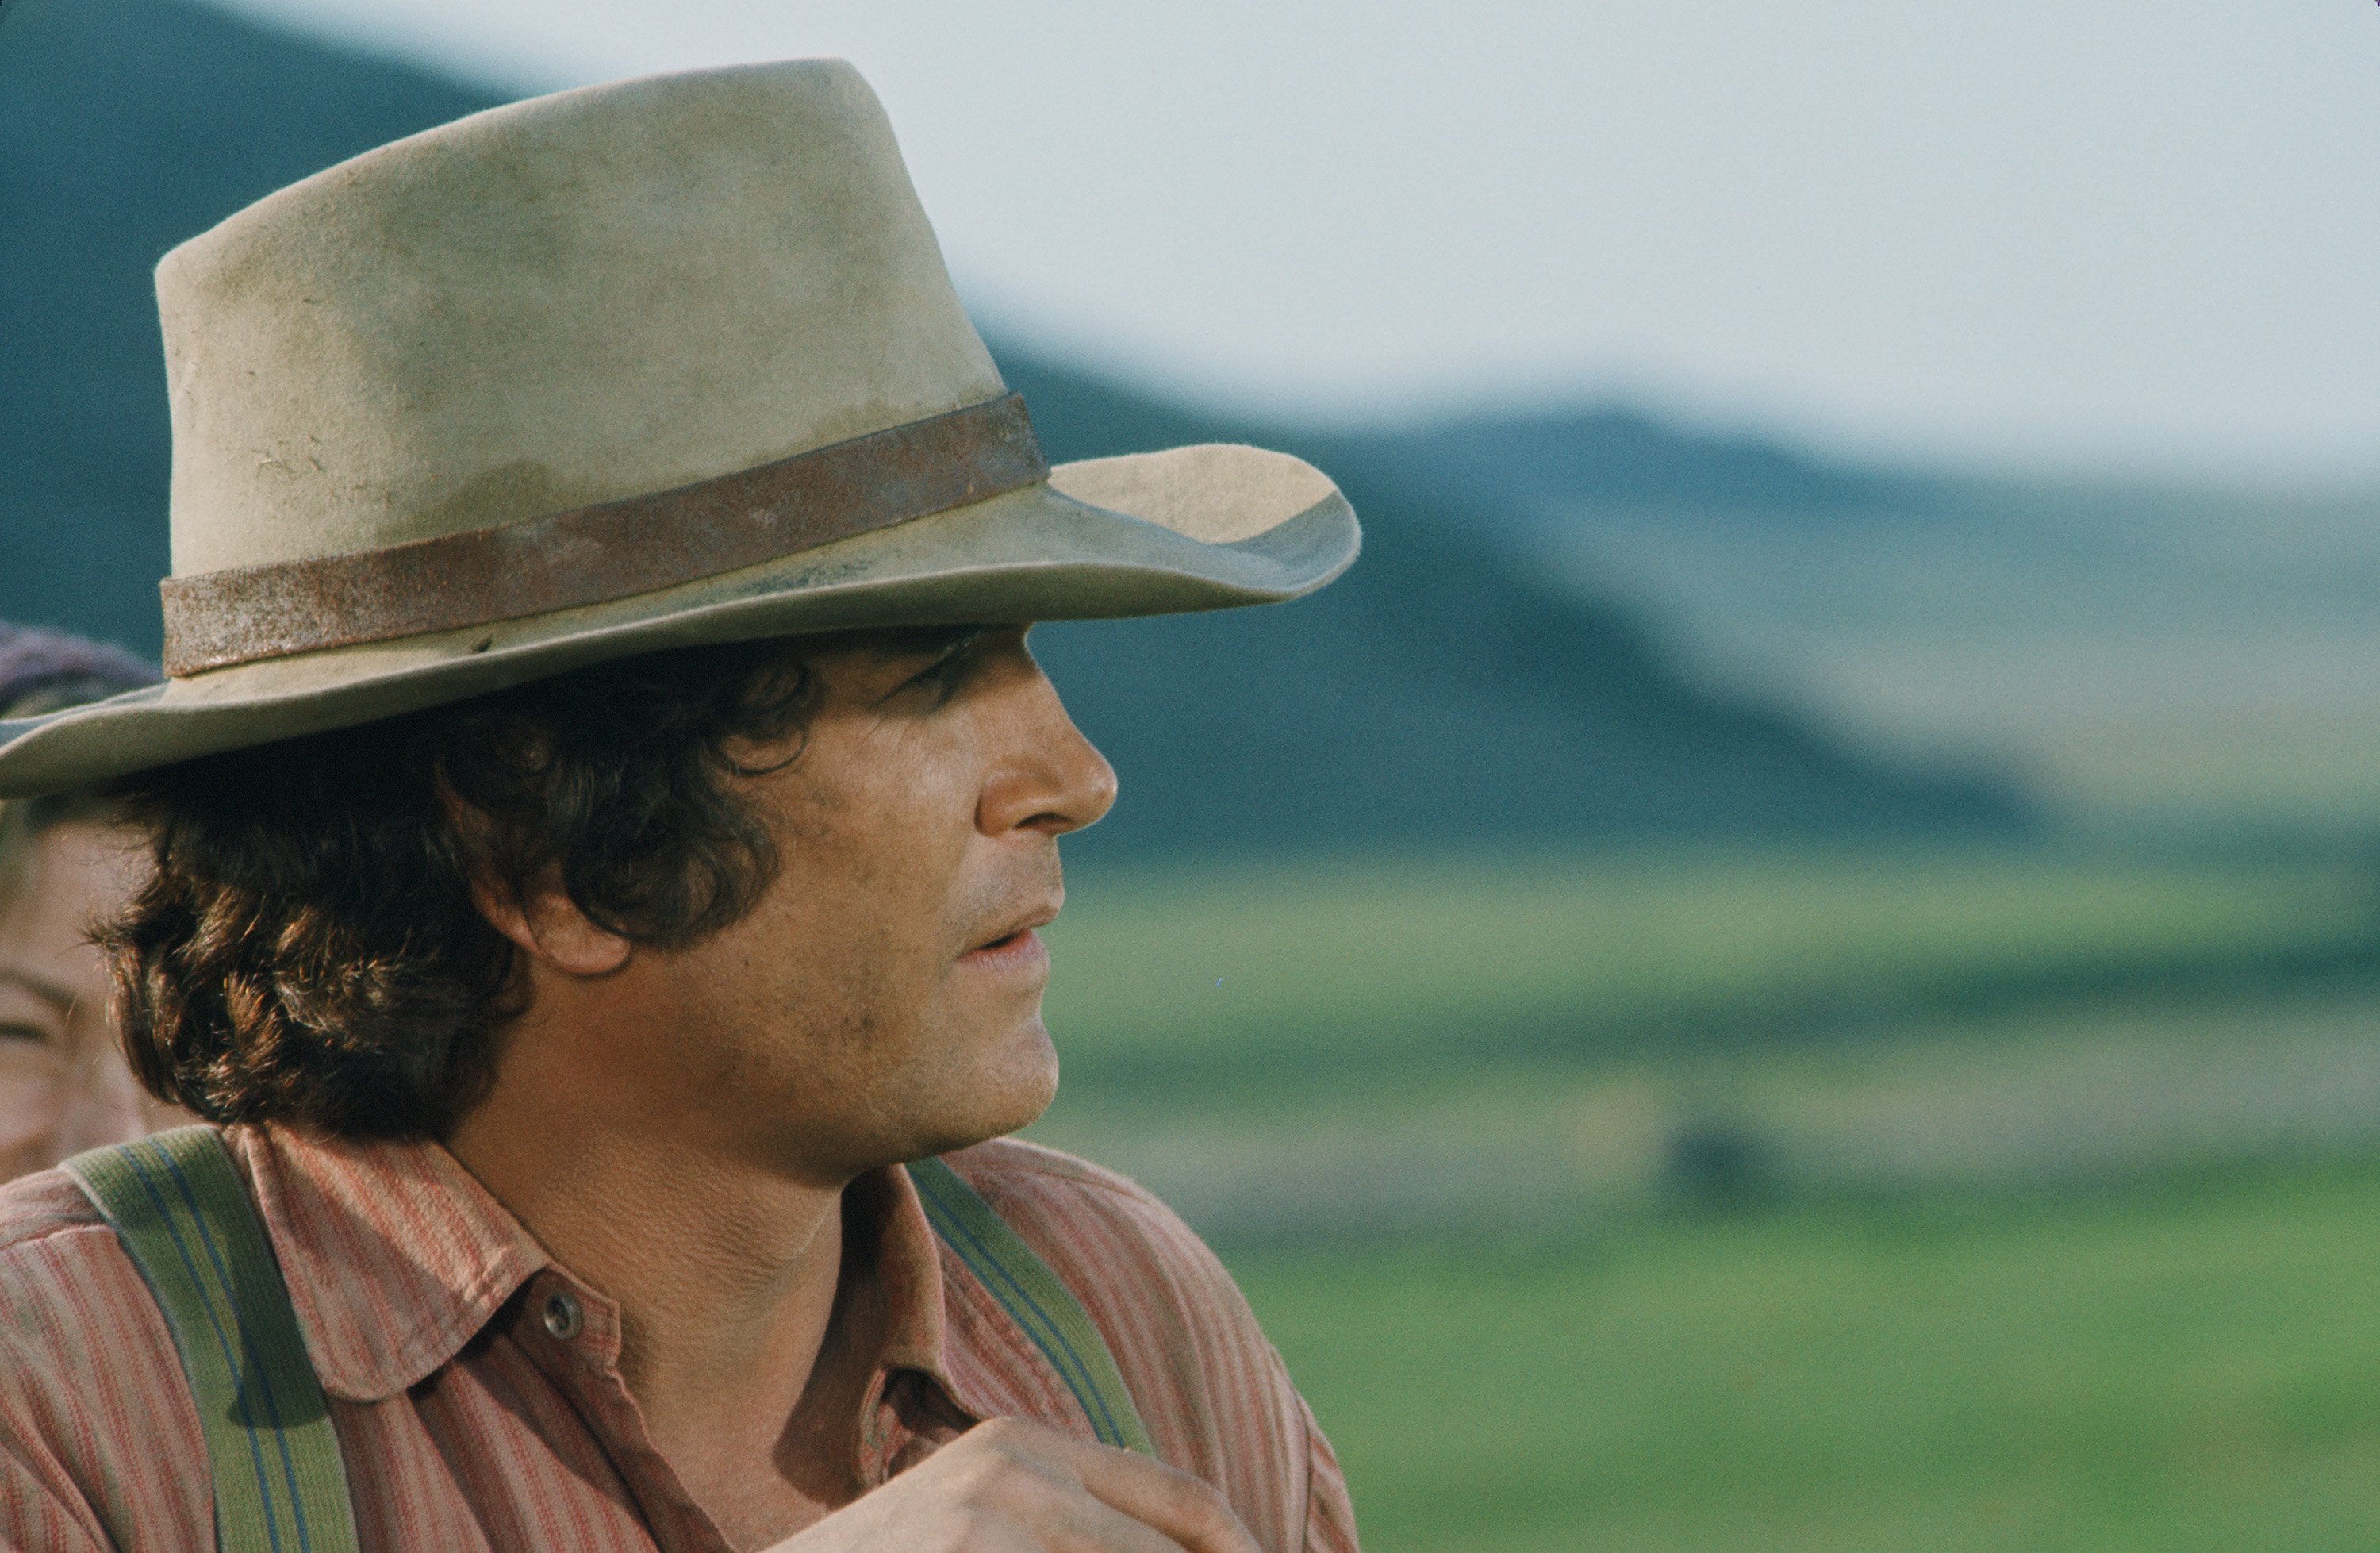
point(602, 805)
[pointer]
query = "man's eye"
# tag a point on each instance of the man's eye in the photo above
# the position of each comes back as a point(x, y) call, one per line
point(949, 655)
point(943, 674)
point(16, 1032)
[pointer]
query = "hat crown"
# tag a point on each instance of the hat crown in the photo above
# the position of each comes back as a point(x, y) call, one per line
point(580, 298)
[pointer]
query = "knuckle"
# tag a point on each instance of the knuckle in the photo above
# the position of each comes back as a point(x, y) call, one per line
point(1005, 1436)
point(1203, 1509)
point(978, 1476)
point(982, 1530)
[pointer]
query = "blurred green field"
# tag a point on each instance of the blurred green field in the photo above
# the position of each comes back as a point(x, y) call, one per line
point(2192, 1367)
point(2067, 1233)
point(1336, 969)
point(1385, 1044)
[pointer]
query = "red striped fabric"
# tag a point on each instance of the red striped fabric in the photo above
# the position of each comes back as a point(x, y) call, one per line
point(468, 1426)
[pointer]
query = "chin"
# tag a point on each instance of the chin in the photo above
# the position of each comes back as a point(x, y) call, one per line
point(1005, 1092)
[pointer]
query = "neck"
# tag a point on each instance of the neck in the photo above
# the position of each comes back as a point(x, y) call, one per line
point(725, 1272)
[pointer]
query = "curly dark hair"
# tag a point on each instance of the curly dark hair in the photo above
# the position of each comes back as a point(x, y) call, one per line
point(307, 950)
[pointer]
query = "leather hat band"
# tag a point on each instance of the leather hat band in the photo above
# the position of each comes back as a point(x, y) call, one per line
point(598, 554)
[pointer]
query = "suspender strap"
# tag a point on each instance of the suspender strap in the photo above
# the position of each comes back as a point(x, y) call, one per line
point(183, 1214)
point(1035, 1299)
point(178, 1204)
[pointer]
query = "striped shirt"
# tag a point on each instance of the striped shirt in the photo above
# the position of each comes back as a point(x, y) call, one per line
point(468, 1424)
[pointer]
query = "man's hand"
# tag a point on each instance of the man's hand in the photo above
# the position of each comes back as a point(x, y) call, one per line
point(1010, 1486)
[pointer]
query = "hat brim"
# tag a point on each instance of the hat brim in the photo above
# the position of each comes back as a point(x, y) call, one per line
point(1202, 527)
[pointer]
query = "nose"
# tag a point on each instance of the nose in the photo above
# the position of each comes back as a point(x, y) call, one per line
point(1046, 776)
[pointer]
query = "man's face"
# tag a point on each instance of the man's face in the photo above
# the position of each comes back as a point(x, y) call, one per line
point(883, 1001)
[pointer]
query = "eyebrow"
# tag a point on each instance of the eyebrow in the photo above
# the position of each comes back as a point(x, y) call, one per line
point(47, 991)
point(939, 640)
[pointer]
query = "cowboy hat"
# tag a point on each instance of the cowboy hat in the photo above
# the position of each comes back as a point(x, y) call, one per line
point(637, 366)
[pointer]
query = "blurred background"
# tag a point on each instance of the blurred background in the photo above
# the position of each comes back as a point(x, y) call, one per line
point(1791, 962)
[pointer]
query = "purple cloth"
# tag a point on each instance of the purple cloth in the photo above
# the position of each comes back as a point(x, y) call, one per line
point(31, 660)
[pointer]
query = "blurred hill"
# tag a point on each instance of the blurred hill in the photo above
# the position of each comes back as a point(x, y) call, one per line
point(1453, 688)
point(1612, 456)
point(2171, 660)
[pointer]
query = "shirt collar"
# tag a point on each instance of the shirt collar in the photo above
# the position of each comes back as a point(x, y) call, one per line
point(908, 1271)
point(396, 1256)
point(393, 1254)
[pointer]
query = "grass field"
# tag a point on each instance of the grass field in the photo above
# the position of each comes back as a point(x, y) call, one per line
point(2193, 1367)
point(2074, 1236)
point(1380, 1044)
point(1330, 972)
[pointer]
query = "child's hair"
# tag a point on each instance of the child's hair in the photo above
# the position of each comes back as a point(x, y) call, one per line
point(43, 671)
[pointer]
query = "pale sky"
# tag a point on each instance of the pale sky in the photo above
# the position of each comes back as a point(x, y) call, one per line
point(2137, 234)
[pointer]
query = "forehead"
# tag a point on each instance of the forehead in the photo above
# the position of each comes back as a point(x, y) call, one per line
point(66, 874)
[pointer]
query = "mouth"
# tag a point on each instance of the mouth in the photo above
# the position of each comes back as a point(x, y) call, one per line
point(1016, 942)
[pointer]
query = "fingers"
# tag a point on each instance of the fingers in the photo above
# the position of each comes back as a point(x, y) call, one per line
point(1082, 1524)
point(1010, 1486)
point(1187, 1511)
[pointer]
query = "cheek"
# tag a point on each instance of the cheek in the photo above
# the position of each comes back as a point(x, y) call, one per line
point(842, 961)
point(30, 1098)
point(849, 954)
point(872, 866)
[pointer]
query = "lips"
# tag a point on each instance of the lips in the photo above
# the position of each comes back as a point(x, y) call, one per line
point(1017, 927)
point(1017, 933)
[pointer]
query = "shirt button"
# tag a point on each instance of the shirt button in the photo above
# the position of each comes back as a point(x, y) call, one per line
point(562, 1315)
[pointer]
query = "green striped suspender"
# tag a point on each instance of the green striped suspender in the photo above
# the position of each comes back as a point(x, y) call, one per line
point(178, 1204)
point(1035, 1299)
